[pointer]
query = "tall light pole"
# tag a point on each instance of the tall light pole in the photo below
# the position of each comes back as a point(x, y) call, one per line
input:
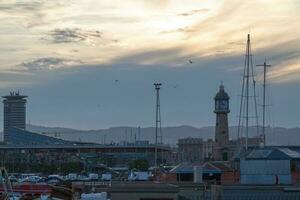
point(157, 122)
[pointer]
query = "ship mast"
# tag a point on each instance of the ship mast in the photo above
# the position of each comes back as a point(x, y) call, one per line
point(248, 81)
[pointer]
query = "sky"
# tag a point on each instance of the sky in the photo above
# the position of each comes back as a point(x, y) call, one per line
point(90, 64)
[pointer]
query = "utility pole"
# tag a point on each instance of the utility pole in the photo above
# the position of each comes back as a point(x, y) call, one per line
point(265, 65)
point(157, 122)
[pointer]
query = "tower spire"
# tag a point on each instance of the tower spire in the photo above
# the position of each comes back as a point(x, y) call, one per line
point(221, 86)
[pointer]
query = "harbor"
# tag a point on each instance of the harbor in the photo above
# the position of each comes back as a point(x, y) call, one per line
point(149, 100)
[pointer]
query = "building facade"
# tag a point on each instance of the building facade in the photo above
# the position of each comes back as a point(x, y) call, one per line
point(32, 152)
point(14, 113)
point(195, 150)
point(270, 166)
point(191, 150)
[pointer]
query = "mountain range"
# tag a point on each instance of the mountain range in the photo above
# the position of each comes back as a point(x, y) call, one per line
point(274, 135)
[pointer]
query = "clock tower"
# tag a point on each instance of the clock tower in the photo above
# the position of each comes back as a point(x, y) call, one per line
point(221, 132)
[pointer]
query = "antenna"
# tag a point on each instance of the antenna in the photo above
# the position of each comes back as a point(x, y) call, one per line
point(158, 133)
point(264, 101)
point(248, 76)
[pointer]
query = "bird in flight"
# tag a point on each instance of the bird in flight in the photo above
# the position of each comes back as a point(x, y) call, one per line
point(116, 80)
point(190, 61)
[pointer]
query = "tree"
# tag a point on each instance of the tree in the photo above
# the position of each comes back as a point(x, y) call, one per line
point(141, 165)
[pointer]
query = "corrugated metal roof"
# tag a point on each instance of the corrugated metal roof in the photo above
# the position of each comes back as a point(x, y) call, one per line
point(184, 168)
point(270, 153)
point(221, 166)
point(290, 153)
point(207, 167)
point(259, 153)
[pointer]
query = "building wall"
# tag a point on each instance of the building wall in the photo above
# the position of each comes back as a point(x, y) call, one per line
point(222, 131)
point(296, 177)
point(191, 150)
point(265, 167)
point(230, 177)
point(263, 179)
point(265, 172)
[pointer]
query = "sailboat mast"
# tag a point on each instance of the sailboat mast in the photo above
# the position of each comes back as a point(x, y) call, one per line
point(247, 91)
point(245, 107)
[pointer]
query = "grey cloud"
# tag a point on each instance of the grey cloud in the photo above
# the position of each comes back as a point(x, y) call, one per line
point(30, 13)
point(71, 35)
point(48, 63)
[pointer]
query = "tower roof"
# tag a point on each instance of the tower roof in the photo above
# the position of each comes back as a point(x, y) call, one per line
point(222, 95)
point(14, 96)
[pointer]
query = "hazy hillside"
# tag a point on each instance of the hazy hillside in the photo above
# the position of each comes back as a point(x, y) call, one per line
point(275, 136)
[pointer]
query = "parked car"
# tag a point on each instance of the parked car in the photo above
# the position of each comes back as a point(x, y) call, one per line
point(106, 177)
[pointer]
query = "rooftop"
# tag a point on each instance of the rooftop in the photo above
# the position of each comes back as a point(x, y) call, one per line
point(14, 95)
point(270, 153)
point(207, 167)
point(222, 95)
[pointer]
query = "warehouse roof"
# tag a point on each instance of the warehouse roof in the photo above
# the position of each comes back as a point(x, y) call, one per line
point(207, 167)
point(270, 153)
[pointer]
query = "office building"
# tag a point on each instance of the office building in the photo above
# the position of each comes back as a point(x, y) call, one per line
point(14, 113)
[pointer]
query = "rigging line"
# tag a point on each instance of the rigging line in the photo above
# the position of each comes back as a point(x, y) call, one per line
point(254, 92)
point(247, 91)
point(241, 102)
point(270, 110)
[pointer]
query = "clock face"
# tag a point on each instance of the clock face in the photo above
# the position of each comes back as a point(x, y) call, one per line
point(222, 105)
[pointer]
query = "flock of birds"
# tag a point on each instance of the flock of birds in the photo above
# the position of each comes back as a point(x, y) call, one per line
point(174, 86)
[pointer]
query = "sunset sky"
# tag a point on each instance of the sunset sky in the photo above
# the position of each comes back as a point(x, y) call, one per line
point(67, 55)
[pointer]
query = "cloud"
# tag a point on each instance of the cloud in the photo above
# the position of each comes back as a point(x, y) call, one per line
point(171, 57)
point(193, 12)
point(30, 13)
point(285, 72)
point(72, 35)
point(20, 6)
point(48, 63)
